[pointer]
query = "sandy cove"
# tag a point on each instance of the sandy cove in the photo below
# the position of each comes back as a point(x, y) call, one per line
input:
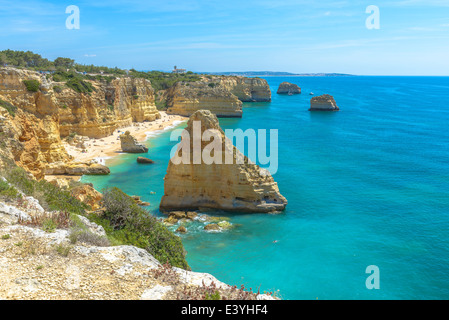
point(110, 146)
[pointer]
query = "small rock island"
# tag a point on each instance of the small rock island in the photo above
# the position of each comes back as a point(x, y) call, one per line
point(129, 144)
point(324, 102)
point(288, 88)
point(144, 160)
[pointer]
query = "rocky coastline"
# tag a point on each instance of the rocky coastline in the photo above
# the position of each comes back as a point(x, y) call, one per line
point(48, 132)
point(221, 95)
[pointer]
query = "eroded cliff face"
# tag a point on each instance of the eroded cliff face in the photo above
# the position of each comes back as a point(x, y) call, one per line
point(112, 106)
point(247, 89)
point(236, 185)
point(288, 88)
point(33, 134)
point(186, 98)
point(223, 96)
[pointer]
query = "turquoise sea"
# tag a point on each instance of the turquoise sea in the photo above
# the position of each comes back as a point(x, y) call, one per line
point(368, 185)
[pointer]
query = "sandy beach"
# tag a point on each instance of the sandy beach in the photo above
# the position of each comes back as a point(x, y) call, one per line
point(110, 146)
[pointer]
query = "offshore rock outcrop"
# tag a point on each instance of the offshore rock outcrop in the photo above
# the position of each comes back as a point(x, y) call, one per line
point(144, 160)
point(324, 102)
point(129, 144)
point(238, 186)
point(288, 88)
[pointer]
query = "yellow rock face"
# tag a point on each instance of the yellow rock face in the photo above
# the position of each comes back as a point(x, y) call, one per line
point(241, 187)
point(247, 89)
point(88, 195)
point(43, 117)
point(110, 107)
point(223, 96)
point(33, 142)
point(186, 98)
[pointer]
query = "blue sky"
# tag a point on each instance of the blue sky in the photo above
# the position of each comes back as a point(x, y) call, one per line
point(298, 36)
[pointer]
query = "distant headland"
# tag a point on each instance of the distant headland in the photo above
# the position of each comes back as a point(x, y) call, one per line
point(279, 74)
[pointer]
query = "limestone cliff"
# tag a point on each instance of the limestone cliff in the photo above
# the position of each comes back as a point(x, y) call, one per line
point(247, 89)
point(221, 95)
point(32, 132)
point(288, 88)
point(237, 186)
point(112, 106)
point(186, 98)
point(42, 265)
point(32, 142)
point(324, 102)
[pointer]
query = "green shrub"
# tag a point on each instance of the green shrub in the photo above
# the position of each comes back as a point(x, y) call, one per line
point(50, 196)
point(127, 223)
point(161, 105)
point(57, 89)
point(7, 191)
point(9, 107)
point(83, 235)
point(49, 225)
point(63, 250)
point(213, 296)
point(32, 85)
point(80, 86)
point(19, 178)
point(58, 77)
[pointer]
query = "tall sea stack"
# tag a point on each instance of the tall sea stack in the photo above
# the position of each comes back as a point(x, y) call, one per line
point(237, 186)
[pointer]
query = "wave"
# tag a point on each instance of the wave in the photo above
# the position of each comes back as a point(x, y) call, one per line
point(101, 160)
point(155, 133)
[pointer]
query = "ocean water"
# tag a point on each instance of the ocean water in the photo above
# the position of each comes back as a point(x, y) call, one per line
point(368, 185)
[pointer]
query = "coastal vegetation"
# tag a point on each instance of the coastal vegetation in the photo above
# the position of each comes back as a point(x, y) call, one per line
point(8, 192)
point(75, 74)
point(80, 85)
point(164, 80)
point(50, 197)
point(124, 221)
point(36, 62)
point(32, 85)
point(9, 107)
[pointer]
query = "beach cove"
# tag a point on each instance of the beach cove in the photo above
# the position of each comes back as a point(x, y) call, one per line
point(366, 186)
point(109, 146)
